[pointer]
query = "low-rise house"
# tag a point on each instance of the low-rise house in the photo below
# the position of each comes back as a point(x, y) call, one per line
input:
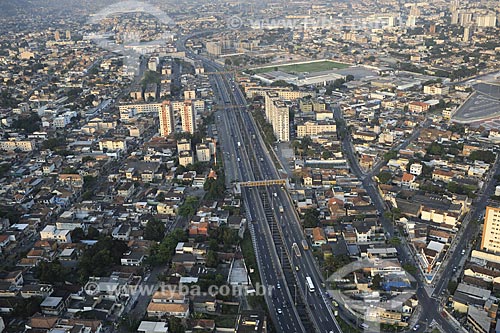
point(318, 237)
point(52, 306)
point(153, 327)
point(122, 232)
point(36, 290)
point(51, 232)
point(132, 258)
point(204, 303)
point(161, 310)
point(442, 175)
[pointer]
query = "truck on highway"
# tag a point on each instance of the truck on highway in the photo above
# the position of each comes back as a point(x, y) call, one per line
point(305, 246)
point(281, 209)
point(296, 249)
point(310, 284)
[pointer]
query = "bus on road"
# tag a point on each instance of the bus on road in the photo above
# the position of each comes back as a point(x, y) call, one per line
point(305, 245)
point(310, 284)
point(296, 249)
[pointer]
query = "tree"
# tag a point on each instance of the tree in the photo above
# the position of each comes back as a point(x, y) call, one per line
point(28, 124)
point(349, 78)
point(452, 286)
point(376, 281)
point(163, 252)
point(77, 235)
point(151, 77)
point(482, 155)
point(51, 272)
point(175, 325)
point(53, 143)
point(155, 230)
point(338, 83)
point(212, 259)
point(27, 307)
point(311, 218)
point(92, 233)
point(100, 258)
point(391, 154)
point(384, 177)
point(189, 206)
point(326, 155)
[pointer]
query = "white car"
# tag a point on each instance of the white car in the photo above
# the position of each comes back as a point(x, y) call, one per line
point(279, 311)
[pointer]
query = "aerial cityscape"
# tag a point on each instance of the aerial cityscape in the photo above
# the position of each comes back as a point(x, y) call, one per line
point(249, 166)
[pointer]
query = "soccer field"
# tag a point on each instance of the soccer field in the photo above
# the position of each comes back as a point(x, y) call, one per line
point(301, 68)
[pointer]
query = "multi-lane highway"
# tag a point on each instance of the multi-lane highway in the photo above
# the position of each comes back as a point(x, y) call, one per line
point(247, 159)
point(238, 163)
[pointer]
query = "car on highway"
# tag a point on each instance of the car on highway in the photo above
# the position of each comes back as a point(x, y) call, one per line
point(278, 286)
point(416, 327)
point(279, 311)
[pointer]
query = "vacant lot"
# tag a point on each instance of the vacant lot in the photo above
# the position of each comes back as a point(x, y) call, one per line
point(301, 68)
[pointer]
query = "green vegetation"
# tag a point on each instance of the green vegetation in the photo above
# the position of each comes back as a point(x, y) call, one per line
point(391, 154)
point(53, 143)
point(28, 124)
point(311, 218)
point(266, 128)
point(482, 155)
point(151, 77)
point(77, 235)
point(345, 327)
point(452, 286)
point(301, 68)
point(189, 206)
point(395, 241)
point(225, 238)
point(175, 325)
point(4, 168)
point(212, 259)
point(215, 188)
point(334, 262)
point(155, 230)
point(384, 177)
point(7, 100)
point(99, 259)
point(461, 189)
point(376, 281)
point(51, 272)
point(162, 253)
point(27, 307)
point(249, 256)
point(410, 269)
point(435, 149)
point(303, 147)
point(283, 83)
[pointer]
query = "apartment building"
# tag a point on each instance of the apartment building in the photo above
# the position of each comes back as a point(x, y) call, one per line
point(311, 128)
point(166, 115)
point(188, 117)
point(491, 230)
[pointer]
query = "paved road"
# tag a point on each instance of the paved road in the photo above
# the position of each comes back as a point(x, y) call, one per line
point(431, 304)
point(238, 163)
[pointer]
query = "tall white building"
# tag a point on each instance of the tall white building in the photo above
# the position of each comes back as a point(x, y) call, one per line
point(281, 121)
point(486, 21)
point(277, 114)
point(188, 117)
point(166, 115)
